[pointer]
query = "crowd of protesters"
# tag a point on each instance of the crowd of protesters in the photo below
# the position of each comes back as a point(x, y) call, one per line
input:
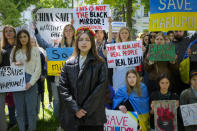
point(78, 93)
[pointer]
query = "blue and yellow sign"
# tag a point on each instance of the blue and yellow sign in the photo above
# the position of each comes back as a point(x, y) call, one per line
point(168, 15)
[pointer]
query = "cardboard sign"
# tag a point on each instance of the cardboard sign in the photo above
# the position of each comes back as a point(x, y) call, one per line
point(12, 79)
point(59, 54)
point(118, 121)
point(189, 114)
point(165, 115)
point(116, 26)
point(125, 54)
point(93, 16)
point(54, 67)
point(194, 52)
point(164, 52)
point(168, 15)
point(51, 22)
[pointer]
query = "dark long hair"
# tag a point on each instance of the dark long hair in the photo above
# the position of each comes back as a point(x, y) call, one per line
point(19, 45)
point(93, 46)
point(105, 35)
point(4, 40)
point(162, 76)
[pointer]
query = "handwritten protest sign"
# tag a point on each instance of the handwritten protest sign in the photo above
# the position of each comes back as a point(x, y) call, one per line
point(51, 22)
point(116, 26)
point(189, 114)
point(93, 16)
point(168, 15)
point(194, 52)
point(165, 115)
point(118, 121)
point(54, 67)
point(162, 52)
point(59, 54)
point(12, 79)
point(124, 54)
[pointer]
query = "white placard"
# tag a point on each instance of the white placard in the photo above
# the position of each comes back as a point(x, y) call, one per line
point(12, 79)
point(116, 26)
point(125, 54)
point(92, 16)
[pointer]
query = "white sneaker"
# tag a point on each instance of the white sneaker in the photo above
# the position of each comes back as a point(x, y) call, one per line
point(59, 128)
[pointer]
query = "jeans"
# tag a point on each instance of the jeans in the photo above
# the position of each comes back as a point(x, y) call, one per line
point(26, 105)
point(55, 99)
point(3, 126)
point(12, 115)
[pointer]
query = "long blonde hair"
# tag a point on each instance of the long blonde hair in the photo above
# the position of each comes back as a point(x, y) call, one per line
point(4, 40)
point(137, 85)
point(119, 38)
point(64, 38)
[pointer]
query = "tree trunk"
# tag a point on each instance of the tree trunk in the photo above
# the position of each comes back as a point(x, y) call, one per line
point(129, 13)
point(123, 11)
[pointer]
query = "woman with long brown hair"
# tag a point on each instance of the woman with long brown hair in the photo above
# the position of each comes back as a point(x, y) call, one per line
point(133, 97)
point(83, 85)
point(23, 54)
point(8, 40)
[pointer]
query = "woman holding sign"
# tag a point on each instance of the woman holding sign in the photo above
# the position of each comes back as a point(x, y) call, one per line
point(133, 96)
point(156, 68)
point(68, 39)
point(23, 54)
point(8, 40)
point(83, 85)
point(163, 93)
point(119, 73)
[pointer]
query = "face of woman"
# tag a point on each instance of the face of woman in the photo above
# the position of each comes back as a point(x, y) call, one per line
point(69, 32)
point(124, 35)
point(146, 40)
point(23, 38)
point(99, 35)
point(132, 79)
point(84, 43)
point(159, 40)
point(152, 38)
point(164, 85)
point(9, 33)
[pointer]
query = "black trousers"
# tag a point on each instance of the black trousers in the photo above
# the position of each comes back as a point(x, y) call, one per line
point(91, 128)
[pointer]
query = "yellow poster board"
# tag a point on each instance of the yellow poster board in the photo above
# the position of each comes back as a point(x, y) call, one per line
point(54, 67)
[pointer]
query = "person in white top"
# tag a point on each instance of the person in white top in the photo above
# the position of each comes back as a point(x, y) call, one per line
point(23, 54)
point(119, 73)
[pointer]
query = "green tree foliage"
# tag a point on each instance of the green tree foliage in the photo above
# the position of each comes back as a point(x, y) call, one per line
point(10, 11)
point(54, 4)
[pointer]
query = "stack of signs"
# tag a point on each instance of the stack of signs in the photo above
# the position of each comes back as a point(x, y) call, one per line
point(189, 114)
point(164, 52)
point(51, 22)
point(92, 16)
point(56, 59)
point(124, 54)
point(194, 52)
point(168, 15)
point(12, 79)
point(116, 26)
point(118, 121)
point(165, 115)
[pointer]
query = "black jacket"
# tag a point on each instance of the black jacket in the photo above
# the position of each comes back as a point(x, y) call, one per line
point(84, 89)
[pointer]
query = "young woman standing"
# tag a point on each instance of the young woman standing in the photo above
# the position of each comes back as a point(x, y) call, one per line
point(83, 85)
point(23, 54)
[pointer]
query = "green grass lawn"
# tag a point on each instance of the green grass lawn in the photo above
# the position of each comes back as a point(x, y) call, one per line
point(46, 123)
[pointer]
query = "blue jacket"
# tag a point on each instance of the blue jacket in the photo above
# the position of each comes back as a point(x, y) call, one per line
point(139, 103)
